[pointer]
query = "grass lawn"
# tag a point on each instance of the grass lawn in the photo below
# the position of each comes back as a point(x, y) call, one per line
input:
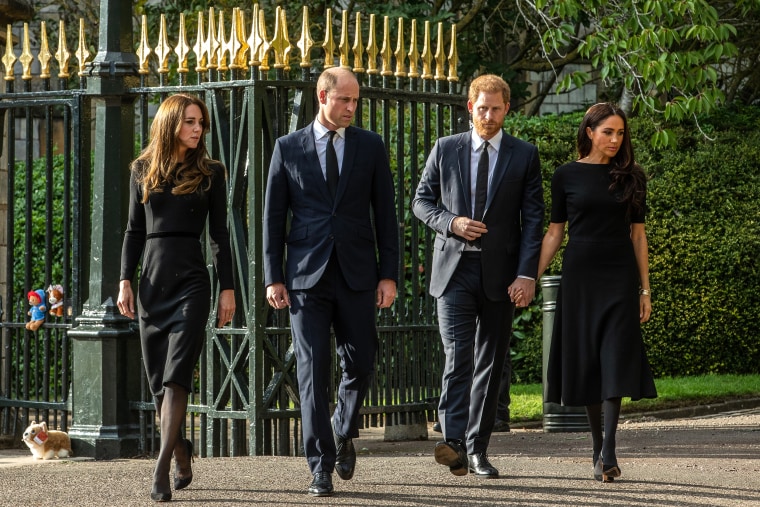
point(527, 404)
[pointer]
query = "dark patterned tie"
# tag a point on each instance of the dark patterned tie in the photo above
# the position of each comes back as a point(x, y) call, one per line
point(481, 185)
point(331, 164)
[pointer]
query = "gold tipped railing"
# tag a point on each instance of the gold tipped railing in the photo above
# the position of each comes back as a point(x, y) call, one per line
point(236, 45)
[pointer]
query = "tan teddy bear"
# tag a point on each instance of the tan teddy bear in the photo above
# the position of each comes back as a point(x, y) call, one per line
point(46, 444)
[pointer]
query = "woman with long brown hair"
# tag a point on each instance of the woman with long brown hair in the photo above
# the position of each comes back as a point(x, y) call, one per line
point(174, 189)
point(597, 353)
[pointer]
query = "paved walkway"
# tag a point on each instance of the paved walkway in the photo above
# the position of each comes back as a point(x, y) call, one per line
point(696, 461)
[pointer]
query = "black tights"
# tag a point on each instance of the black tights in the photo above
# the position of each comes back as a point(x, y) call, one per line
point(604, 443)
point(171, 408)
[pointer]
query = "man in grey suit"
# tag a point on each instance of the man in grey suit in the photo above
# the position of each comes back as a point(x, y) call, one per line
point(340, 256)
point(481, 193)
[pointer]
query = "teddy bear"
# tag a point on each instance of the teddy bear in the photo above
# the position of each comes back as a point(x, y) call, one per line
point(47, 444)
point(37, 311)
point(55, 298)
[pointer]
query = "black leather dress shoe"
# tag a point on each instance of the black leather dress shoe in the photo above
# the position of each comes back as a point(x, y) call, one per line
point(437, 427)
point(500, 427)
point(321, 485)
point(345, 459)
point(452, 455)
point(481, 467)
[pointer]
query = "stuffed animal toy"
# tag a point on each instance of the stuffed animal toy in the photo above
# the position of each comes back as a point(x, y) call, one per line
point(37, 310)
point(55, 298)
point(46, 444)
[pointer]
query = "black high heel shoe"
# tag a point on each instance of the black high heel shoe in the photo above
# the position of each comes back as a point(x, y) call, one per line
point(609, 470)
point(158, 496)
point(183, 482)
point(598, 468)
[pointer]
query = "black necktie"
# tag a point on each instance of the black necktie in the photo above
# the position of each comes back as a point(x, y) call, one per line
point(481, 185)
point(331, 164)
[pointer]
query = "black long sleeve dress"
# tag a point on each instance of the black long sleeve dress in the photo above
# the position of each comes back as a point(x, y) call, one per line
point(174, 294)
point(597, 351)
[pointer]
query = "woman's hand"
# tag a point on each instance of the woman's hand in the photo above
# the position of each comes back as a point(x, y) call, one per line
point(126, 301)
point(226, 307)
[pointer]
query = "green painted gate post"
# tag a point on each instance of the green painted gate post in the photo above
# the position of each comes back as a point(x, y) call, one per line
point(105, 346)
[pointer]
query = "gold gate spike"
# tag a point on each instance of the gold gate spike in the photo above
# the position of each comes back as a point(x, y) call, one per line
point(44, 55)
point(343, 46)
point(414, 54)
point(372, 47)
point(62, 55)
point(400, 51)
point(241, 46)
point(440, 57)
point(305, 43)
point(183, 48)
point(280, 42)
point(453, 56)
point(201, 55)
point(254, 40)
point(211, 43)
point(265, 44)
point(144, 50)
point(427, 55)
point(10, 57)
point(329, 44)
point(358, 45)
point(26, 57)
point(163, 49)
point(385, 52)
point(82, 53)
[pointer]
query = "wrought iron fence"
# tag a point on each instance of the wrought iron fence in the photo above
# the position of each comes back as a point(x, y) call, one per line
point(246, 397)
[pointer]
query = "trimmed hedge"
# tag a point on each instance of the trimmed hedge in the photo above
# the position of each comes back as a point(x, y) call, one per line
point(703, 228)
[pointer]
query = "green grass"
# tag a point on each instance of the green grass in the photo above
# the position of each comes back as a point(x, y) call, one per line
point(527, 404)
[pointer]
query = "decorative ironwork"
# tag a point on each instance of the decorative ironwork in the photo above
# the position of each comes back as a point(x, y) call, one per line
point(183, 48)
point(414, 54)
point(343, 45)
point(372, 49)
point(385, 51)
point(427, 54)
point(82, 53)
point(144, 50)
point(163, 49)
point(358, 47)
point(62, 55)
point(400, 51)
point(255, 40)
point(453, 56)
point(44, 55)
point(329, 44)
point(305, 43)
point(26, 57)
point(440, 56)
point(10, 57)
point(280, 42)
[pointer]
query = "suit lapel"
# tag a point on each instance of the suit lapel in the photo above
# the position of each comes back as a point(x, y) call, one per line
point(463, 154)
point(313, 167)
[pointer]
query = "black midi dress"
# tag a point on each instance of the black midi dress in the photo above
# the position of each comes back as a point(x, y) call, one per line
point(597, 351)
point(174, 293)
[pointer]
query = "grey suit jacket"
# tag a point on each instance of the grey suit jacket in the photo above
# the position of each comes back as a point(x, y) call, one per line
point(514, 211)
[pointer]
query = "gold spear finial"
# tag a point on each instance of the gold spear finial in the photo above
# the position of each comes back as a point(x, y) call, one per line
point(400, 51)
point(280, 42)
point(343, 46)
point(163, 49)
point(242, 46)
point(372, 47)
point(183, 48)
point(254, 40)
point(83, 54)
point(265, 44)
point(329, 44)
point(201, 55)
point(211, 42)
point(10, 57)
point(440, 57)
point(414, 54)
point(144, 50)
point(385, 52)
point(44, 55)
point(305, 43)
point(232, 46)
point(358, 45)
point(427, 55)
point(223, 44)
point(453, 56)
point(26, 57)
point(62, 55)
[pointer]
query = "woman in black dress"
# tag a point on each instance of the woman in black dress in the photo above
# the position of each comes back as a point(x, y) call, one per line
point(597, 353)
point(174, 189)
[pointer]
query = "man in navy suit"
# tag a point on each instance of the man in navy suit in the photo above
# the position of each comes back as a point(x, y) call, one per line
point(340, 257)
point(481, 193)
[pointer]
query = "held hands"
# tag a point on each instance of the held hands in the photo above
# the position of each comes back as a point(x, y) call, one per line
point(277, 296)
point(468, 228)
point(522, 291)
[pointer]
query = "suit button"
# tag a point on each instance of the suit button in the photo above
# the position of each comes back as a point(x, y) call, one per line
point(331, 236)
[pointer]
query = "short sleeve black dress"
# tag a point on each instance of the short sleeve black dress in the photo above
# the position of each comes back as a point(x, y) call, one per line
point(174, 294)
point(597, 351)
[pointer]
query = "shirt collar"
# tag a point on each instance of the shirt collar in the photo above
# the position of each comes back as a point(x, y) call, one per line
point(478, 141)
point(320, 130)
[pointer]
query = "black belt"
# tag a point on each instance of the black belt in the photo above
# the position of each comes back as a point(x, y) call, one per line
point(172, 234)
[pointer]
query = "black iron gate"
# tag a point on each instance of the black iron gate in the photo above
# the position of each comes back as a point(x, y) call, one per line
point(246, 397)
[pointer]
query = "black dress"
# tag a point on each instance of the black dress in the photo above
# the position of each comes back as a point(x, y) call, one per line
point(597, 351)
point(174, 294)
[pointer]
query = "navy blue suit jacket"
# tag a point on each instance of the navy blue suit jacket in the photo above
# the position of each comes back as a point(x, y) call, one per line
point(514, 213)
point(360, 225)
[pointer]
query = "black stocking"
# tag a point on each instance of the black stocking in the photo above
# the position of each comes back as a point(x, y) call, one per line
point(172, 407)
point(611, 417)
point(594, 415)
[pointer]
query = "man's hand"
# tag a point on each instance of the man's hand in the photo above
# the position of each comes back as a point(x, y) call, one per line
point(386, 293)
point(277, 296)
point(468, 228)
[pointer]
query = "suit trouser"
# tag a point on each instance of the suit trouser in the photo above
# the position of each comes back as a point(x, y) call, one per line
point(475, 332)
point(353, 316)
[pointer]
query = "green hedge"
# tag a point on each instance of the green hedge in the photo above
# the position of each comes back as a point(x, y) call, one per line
point(704, 241)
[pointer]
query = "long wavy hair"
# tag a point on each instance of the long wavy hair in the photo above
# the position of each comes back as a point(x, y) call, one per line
point(158, 164)
point(628, 178)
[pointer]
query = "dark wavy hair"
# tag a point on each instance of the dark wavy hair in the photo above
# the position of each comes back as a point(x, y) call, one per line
point(628, 178)
point(158, 165)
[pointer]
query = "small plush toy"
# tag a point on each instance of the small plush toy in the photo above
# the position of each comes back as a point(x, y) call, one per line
point(55, 298)
point(46, 444)
point(37, 310)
